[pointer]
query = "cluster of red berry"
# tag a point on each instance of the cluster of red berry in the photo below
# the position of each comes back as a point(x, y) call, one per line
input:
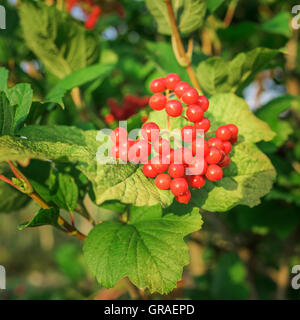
point(93, 11)
point(127, 108)
point(177, 169)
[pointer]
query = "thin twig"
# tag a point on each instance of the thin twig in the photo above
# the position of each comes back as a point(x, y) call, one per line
point(180, 46)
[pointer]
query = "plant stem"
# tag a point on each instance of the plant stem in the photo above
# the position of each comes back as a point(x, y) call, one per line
point(71, 230)
point(182, 53)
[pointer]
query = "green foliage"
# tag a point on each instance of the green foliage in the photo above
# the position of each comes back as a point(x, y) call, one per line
point(60, 43)
point(43, 217)
point(190, 15)
point(149, 249)
point(217, 75)
point(280, 24)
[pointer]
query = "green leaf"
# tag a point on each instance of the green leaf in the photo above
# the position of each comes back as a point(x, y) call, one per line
point(271, 113)
point(280, 24)
point(251, 174)
point(58, 41)
point(189, 13)
point(149, 249)
point(20, 97)
point(161, 54)
point(125, 183)
point(76, 79)
point(216, 75)
point(66, 195)
point(42, 218)
point(7, 114)
point(3, 79)
point(248, 178)
point(213, 5)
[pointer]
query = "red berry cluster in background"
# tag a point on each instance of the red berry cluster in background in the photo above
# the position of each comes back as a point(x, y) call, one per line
point(127, 108)
point(204, 156)
point(93, 11)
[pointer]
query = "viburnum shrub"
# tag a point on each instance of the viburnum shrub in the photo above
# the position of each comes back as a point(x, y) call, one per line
point(203, 157)
point(188, 150)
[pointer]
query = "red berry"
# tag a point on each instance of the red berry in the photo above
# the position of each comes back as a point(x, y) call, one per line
point(194, 113)
point(214, 173)
point(203, 125)
point(200, 147)
point(214, 156)
point(158, 101)
point(184, 198)
point(227, 147)
point(149, 171)
point(158, 85)
point(160, 164)
point(180, 88)
point(171, 80)
point(225, 162)
point(234, 129)
point(203, 102)
point(119, 135)
point(196, 181)
point(170, 156)
point(183, 156)
point(150, 131)
point(109, 118)
point(223, 133)
point(174, 108)
point(197, 167)
point(163, 181)
point(215, 142)
point(161, 146)
point(139, 152)
point(188, 134)
point(179, 186)
point(176, 170)
point(190, 96)
point(233, 140)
